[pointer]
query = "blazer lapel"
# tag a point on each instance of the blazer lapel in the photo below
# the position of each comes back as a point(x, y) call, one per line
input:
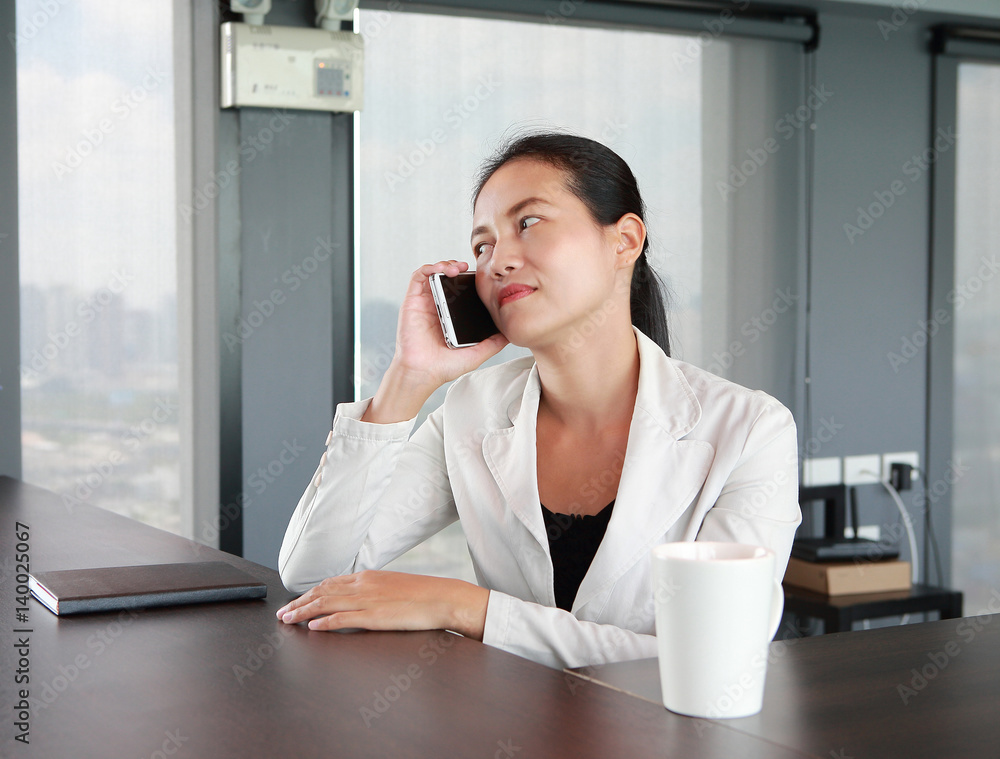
point(661, 476)
point(510, 456)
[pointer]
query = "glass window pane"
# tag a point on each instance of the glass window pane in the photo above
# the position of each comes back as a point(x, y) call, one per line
point(97, 259)
point(976, 489)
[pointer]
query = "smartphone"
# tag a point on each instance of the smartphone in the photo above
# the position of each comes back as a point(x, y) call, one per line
point(464, 319)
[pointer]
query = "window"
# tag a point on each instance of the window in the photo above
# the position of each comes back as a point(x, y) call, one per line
point(97, 255)
point(711, 131)
point(974, 476)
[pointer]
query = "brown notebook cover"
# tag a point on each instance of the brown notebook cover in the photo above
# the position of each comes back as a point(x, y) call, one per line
point(76, 591)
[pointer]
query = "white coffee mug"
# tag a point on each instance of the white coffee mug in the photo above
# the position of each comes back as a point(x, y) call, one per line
point(718, 605)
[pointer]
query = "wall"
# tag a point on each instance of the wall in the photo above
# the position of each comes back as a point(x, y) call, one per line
point(869, 275)
point(286, 230)
point(975, 8)
point(10, 342)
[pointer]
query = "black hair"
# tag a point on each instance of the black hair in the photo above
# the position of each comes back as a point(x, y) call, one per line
point(602, 180)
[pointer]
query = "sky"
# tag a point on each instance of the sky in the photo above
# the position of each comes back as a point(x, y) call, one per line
point(96, 146)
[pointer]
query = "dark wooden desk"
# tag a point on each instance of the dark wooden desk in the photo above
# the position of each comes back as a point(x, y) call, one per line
point(229, 680)
point(923, 690)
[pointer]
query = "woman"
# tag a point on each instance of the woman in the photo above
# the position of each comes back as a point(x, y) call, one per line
point(565, 467)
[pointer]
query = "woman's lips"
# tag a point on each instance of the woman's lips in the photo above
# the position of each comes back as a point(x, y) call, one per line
point(513, 292)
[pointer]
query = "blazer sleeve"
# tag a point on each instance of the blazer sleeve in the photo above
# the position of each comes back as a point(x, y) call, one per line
point(556, 638)
point(759, 502)
point(376, 493)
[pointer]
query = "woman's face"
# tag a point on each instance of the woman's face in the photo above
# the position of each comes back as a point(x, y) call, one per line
point(543, 265)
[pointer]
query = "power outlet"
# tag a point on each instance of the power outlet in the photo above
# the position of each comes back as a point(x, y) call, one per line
point(862, 470)
point(817, 472)
point(888, 459)
point(870, 531)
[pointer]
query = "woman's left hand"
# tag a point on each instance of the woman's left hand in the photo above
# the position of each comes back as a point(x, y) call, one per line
point(380, 600)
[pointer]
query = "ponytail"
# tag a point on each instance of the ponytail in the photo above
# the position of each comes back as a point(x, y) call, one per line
point(646, 300)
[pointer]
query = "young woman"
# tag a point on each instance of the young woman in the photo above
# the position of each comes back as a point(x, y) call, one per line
point(565, 468)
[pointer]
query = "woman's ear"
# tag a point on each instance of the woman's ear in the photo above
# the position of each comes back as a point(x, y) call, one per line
point(630, 235)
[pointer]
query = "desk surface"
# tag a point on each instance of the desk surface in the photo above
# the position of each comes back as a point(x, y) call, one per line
point(930, 689)
point(229, 680)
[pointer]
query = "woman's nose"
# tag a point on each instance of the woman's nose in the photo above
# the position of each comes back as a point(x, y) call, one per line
point(506, 259)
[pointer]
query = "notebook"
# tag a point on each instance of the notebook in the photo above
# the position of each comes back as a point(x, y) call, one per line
point(78, 591)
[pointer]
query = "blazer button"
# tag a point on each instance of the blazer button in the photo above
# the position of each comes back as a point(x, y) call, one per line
point(322, 459)
point(329, 438)
point(317, 479)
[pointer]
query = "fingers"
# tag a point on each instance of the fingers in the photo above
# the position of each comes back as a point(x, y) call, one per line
point(320, 606)
point(372, 600)
point(342, 620)
point(451, 267)
point(292, 612)
point(497, 342)
point(489, 347)
point(418, 281)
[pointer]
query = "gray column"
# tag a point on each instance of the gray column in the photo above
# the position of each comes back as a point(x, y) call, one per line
point(10, 317)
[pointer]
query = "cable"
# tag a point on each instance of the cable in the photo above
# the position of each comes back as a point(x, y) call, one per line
point(929, 527)
point(907, 523)
point(911, 536)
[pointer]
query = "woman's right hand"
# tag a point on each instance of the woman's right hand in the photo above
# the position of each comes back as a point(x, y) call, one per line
point(422, 361)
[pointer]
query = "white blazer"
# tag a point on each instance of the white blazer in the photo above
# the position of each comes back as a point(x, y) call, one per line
point(706, 460)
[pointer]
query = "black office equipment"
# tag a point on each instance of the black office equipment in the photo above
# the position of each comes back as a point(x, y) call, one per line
point(833, 546)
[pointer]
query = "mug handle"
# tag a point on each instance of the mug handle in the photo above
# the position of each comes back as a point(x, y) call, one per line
point(777, 607)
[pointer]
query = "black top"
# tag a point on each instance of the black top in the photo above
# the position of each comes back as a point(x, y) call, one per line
point(573, 541)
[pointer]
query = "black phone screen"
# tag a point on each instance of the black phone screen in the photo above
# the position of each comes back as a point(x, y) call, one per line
point(470, 318)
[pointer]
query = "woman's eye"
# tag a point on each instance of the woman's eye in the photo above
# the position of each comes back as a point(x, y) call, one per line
point(527, 221)
point(482, 248)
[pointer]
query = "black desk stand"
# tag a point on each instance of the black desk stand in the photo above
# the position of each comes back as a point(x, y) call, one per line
point(840, 612)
